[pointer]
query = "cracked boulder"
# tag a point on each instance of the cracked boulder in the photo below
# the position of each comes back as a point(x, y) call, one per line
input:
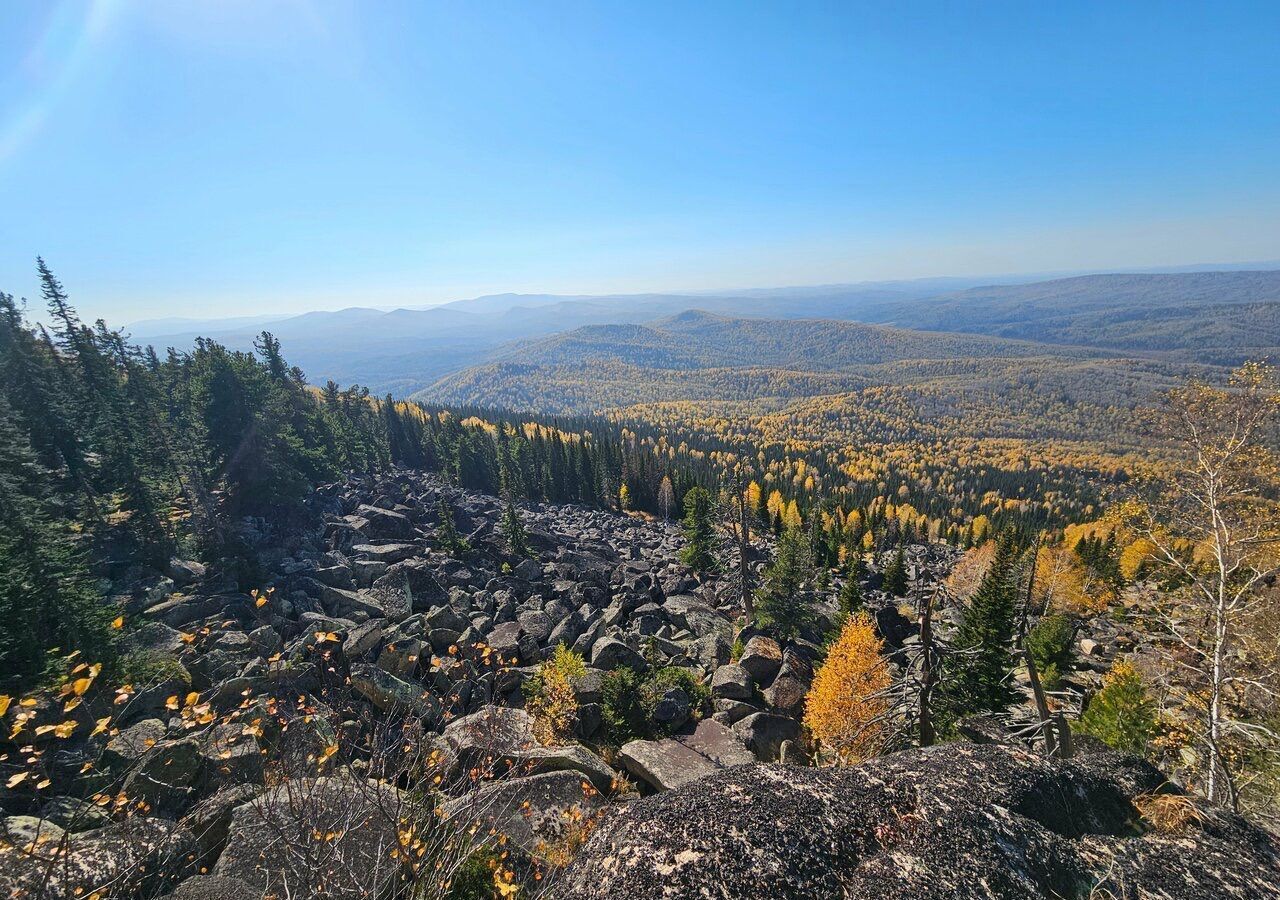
point(956, 821)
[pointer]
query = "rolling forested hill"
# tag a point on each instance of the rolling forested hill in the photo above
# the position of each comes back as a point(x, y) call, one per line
point(700, 356)
point(1213, 317)
point(1210, 317)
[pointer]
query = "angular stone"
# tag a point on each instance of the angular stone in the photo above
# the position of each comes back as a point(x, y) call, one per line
point(573, 758)
point(675, 761)
point(213, 887)
point(763, 733)
point(732, 682)
point(762, 657)
point(786, 694)
point(611, 653)
point(346, 821)
point(389, 693)
point(392, 593)
point(386, 553)
point(490, 733)
point(122, 859)
point(385, 523)
point(531, 811)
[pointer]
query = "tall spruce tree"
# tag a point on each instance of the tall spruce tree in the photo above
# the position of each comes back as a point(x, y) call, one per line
point(447, 535)
point(850, 597)
point(512, 528)
point(978, 672)
point(46, 598)
point(895, 574)
point(699, 533)
point(785, 600)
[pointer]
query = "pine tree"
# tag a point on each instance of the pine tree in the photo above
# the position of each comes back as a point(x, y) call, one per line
point(980, 667)
point(1121, 715)
point(785, 600)
point(699, 532)
point(46, 598)
point(850, 598)
point(512, 528)
point(450, 541)
point(895, 574)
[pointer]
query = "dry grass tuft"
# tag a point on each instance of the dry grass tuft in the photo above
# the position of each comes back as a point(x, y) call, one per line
point(1167, 813)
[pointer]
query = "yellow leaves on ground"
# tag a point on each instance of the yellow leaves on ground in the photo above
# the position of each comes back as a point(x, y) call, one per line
point(62, 730)
point(845, 707)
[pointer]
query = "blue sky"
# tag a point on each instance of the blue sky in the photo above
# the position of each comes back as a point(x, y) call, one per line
point(247, 156)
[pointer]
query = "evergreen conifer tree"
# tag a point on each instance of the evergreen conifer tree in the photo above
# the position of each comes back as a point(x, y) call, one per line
point(850, 598)
point(699, 533)
point(1121, 715)
point(46, 598)
point(895, 574)
point(978, 672)
point(785, 600)
point(512, 528)
point(450, 541)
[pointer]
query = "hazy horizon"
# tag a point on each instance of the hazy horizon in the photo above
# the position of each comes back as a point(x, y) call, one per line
point(981, 279)
point(230, 159)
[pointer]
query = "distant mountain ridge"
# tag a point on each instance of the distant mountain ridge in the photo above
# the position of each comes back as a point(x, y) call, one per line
point(1214, 317)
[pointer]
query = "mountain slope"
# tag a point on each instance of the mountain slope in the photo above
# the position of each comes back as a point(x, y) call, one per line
point(1214, 317)
point(696, 356)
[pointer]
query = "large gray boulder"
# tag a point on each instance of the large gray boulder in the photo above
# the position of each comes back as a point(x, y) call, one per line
point(611, 653)
point(532, 811)
point(125, 858)
point(763, 733)
point(762, 657)
point(343, 830)
point(385, 524)
point(675, 761)
point(489, 739)
point(954, 821)
point(573, 758)
point(732, 682)
point(212, 887)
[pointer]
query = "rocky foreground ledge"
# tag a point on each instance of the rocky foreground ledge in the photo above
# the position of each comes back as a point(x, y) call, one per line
point(953, 821)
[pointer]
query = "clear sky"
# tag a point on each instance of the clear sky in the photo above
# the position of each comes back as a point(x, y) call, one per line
point(177, 157)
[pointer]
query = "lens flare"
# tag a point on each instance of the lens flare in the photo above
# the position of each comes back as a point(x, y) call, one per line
point(57, 56)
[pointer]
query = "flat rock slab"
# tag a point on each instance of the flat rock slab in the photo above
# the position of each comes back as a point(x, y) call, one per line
point(678, 760)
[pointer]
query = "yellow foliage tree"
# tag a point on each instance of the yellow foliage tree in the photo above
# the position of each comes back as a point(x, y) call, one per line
point(776, 504)
point(845, 706)
point(967, 573)
point(1064, 585)
point(1134, 556)
point(551, 698)
point(791, 518)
